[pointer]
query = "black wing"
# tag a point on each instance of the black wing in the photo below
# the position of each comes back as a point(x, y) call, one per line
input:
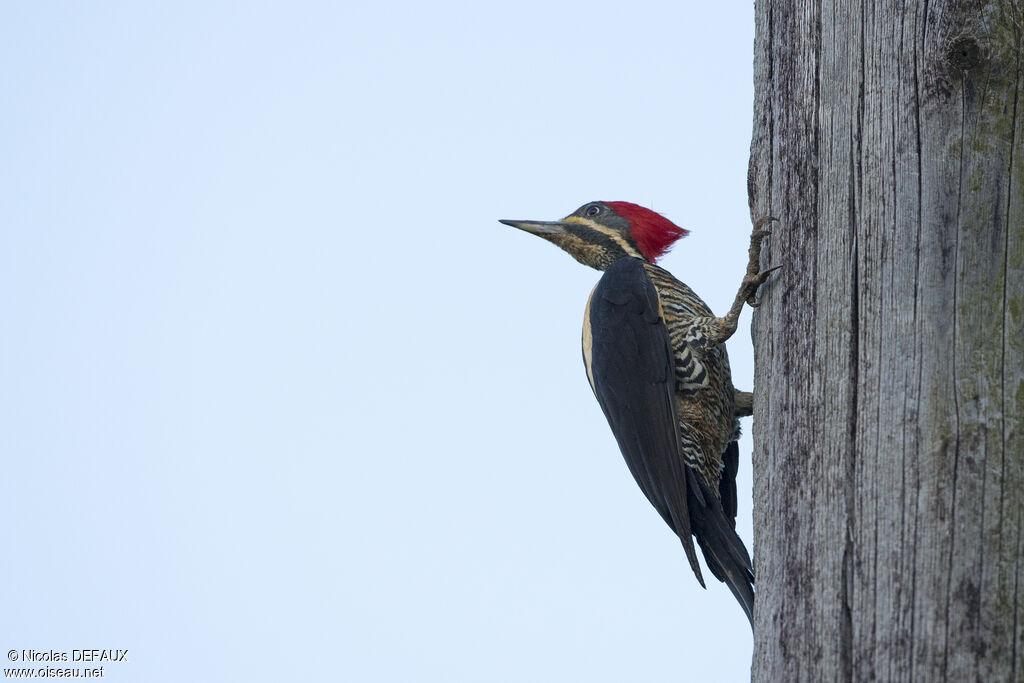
point(727, 485)
point(630, 364)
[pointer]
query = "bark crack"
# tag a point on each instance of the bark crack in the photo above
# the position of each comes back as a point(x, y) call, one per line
point(918, 50)
point(1002, 385)
point(984, 457)
point(1016, 604)
point(771, 106)
point(1006, 275)
point(956, 397)
point(846, 623)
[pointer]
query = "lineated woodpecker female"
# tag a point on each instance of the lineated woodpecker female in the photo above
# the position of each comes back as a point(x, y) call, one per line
point(656, 360)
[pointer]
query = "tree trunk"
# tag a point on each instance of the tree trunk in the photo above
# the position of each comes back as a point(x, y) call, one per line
point(889, 423)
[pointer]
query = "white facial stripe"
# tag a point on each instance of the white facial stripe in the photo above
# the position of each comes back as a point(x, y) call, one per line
point(616, 237)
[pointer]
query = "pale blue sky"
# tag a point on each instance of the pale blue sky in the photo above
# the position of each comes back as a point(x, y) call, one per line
point(282, 400)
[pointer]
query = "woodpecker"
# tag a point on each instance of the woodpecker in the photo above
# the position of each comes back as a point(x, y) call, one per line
point(655, 357)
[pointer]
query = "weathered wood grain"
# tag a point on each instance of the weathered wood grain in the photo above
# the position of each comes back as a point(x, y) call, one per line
point(889, 403)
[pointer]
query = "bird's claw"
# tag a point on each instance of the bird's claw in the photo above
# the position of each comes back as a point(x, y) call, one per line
point(759, 227)
point(752, 282)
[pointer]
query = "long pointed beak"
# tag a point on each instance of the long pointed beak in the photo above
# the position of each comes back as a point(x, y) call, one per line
point(538, 227)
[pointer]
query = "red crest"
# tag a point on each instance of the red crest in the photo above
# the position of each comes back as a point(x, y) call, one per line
point(654, 233)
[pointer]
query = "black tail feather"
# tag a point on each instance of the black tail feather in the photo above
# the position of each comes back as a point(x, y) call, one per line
point(724, 552)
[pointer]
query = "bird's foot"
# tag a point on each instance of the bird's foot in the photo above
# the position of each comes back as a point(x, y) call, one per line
point(760, 229)
point(755, 277)
point(752, 282)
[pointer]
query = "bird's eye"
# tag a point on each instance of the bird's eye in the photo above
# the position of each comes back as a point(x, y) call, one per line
point(593, 210)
